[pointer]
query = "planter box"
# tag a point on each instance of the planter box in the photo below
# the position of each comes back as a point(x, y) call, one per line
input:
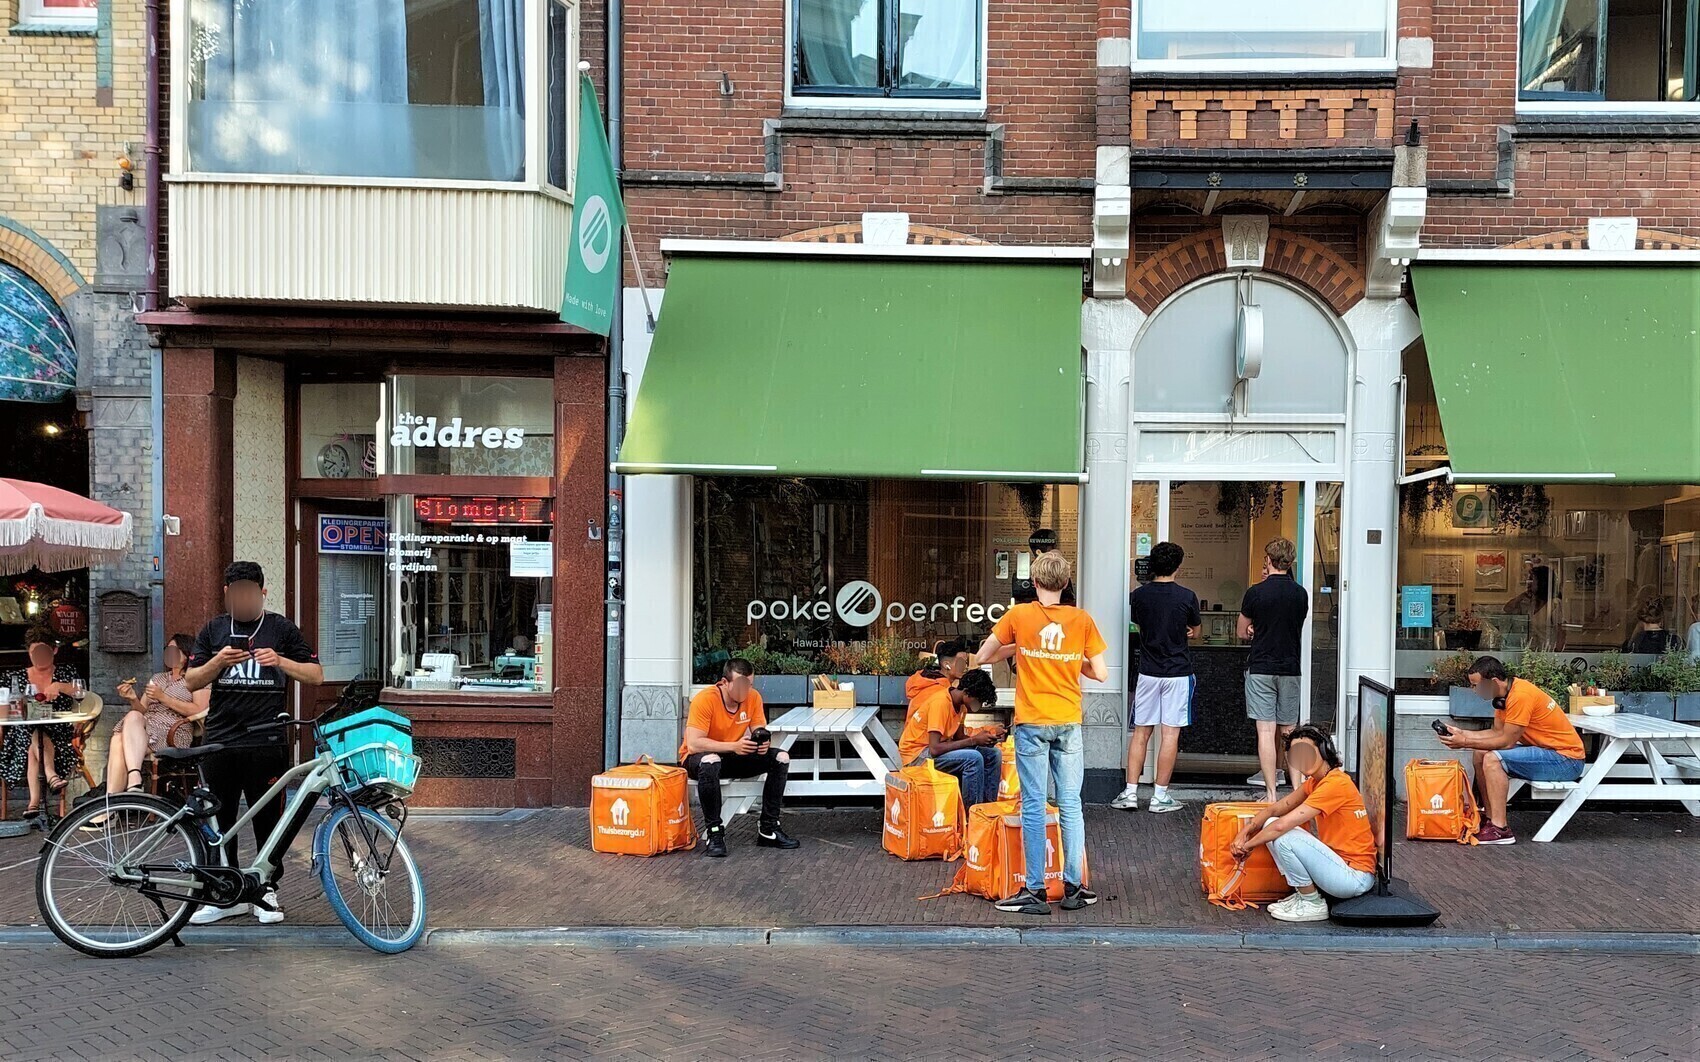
point(1657, 705)
point(1462, 703)
point(891, 691)
point(788, 690)
point(867, 687)
point(1688, 707)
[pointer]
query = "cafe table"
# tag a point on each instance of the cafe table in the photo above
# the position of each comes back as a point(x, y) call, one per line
point(87, 709)
point(1669, 754)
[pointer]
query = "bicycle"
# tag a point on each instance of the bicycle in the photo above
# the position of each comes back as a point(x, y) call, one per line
point(132, 880)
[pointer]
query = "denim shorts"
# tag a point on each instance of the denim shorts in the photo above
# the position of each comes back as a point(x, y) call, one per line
point(1536, 764)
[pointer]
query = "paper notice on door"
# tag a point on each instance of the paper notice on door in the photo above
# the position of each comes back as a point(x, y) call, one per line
point(531, 560)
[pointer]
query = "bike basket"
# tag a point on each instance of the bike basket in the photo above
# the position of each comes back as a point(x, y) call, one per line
point(381, 744)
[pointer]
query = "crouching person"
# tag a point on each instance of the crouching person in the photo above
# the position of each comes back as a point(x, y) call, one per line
point(726, 737)
point(1339, 858)
point(934, 730)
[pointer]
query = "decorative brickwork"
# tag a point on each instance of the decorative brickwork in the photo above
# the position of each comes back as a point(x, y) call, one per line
point(851, 232)
point(1293, 255)
point(1577, 240)
point(1206, 116)
point(43, 264)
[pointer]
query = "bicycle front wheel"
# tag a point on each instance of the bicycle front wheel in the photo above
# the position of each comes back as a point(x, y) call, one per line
point(89, 881)
point(370, 879)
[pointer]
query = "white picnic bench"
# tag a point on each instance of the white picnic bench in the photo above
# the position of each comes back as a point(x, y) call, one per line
point(1663, 774)
point(827, 770)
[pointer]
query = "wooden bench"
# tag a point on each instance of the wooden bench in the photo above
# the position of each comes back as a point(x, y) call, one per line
point(827, 771)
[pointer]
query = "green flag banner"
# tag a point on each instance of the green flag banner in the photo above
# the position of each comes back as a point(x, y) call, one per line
point(592, 290)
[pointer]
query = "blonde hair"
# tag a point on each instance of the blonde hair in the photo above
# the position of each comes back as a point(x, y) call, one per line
point(1051, 571)
point(1281, 553)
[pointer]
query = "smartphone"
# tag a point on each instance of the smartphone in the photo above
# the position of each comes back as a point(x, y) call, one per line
point(237, 642)
point(760, 735)
point(1440, 728)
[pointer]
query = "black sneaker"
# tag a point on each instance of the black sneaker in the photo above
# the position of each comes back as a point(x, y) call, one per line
point(716, 842)
point(1077, 896)
point(774, 837)
point(1024, 902)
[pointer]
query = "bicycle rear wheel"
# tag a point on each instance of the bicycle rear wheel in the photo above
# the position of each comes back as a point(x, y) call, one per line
point(383, 908)
point(85, 883)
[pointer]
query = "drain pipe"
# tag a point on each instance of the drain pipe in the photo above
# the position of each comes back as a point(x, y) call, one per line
point(614, 660)
point(150, 302)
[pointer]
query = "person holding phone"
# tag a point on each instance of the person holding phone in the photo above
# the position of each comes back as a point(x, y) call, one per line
point(248, 656)
point(726, 736)
point(934, 731)
point(1337, 859)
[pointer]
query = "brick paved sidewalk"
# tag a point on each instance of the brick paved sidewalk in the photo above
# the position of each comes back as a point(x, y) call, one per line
point(1608, 873)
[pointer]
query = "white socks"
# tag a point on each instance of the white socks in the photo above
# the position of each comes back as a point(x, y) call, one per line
point(1160, 792)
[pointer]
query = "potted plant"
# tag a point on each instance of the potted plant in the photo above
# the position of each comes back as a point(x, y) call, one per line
point(1452, 673)
point(850, 663)
point(1646, 693)
point(1464, 631)
point(1685, 679)
point(781, 678)
point(1548, 671)
point(1610, 673)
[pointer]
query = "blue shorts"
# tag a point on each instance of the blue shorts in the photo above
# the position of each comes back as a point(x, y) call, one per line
point(1536, 764)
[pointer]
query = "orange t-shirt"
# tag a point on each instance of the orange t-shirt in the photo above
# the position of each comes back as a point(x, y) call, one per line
point(1543, 721)
point(932, 709)
point(710, 715)
point(1052, 643)
point(1343, 824)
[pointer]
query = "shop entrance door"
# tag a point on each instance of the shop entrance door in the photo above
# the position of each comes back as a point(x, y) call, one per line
point(1223, 525)
point(340, 561)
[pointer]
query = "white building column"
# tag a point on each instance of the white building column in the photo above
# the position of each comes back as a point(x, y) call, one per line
point(1107, 330)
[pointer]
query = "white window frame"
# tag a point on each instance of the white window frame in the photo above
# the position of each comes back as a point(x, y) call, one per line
point(1590, 109)
point(1385, 65)
point(536, 132)
point(36, 13)
point(965, 106)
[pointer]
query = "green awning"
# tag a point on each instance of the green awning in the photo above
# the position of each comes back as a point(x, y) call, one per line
point(1558, 372)
point(861, 367)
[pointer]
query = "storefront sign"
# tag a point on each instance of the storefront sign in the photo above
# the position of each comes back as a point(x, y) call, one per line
point(860, 604)
point(352, 534)
point(531, 560)
point(411, 429)
point(1416, 606)
point(440, 509)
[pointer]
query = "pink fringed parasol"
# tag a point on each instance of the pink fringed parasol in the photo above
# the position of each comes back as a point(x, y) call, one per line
point(54, 530)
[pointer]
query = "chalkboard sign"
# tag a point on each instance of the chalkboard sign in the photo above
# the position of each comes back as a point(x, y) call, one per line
point(123, 622)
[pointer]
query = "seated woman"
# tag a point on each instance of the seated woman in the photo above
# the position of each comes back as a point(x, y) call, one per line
point(30, 752)
point(1339, 858)
point(164, 703)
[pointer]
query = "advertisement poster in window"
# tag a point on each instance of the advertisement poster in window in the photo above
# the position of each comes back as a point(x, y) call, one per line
point(1490, 570)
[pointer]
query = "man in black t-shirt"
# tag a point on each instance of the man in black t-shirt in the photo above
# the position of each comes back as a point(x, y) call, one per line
point(1022, 591)
point(1167, 615)
point(1272, 615)
point(248, 656)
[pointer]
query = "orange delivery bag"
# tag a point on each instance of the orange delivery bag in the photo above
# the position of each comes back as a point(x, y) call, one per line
point(643, 808)
point(1009, 783)
point(1438, 803)
point(993, 863)
point(1228, 882)
point(924, 818)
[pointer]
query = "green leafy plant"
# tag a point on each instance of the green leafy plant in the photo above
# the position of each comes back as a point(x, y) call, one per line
point(1520, 506)
point(1550, 672)
point(1252, 500)
point(879, 656)
point(1675, 672)
point(768, 662)
point(1451, 670)
point(1610, 672)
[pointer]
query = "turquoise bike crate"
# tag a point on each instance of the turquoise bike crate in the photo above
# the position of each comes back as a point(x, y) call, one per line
point(392, 769)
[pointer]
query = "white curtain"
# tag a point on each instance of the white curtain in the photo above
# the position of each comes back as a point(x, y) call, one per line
point(301, 87)
point(501, 51)
point(830, 55)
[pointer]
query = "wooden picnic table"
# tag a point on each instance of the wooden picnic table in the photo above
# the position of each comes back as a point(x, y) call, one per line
point(826, 772)
point(1659, 776)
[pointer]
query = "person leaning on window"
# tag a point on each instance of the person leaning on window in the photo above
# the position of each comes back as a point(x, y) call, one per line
point(720, 742)
point(1531, 738)
point(1339, 858)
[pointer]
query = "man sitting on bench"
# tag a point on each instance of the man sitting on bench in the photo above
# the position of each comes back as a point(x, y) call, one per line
point(935, 731)
point(1531, 738)
point(721, 742)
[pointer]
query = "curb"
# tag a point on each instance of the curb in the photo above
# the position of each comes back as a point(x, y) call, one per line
point(621, 937)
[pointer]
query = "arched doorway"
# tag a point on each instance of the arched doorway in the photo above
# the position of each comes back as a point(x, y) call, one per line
point(1240, 403)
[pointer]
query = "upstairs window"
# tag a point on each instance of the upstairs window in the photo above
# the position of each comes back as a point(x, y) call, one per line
point(897, 49)
point(59, 14)
point(1263, 34)
point(1610, 51)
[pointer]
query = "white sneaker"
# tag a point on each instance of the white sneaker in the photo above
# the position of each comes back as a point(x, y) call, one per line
point(1257, 779)
point(1128, 800)
point(1300, 908)
point(1164, 803)
point(206, 916)
point(272, 917)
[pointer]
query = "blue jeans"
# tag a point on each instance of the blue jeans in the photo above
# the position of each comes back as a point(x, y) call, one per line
point(1537, 764)
point(1304, 860)
point(1046, 754)
point(977, 771)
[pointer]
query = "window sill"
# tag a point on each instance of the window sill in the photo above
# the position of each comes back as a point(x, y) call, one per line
point(461, 704)
point(1376, 77)
point(51, 29)
point(884, 110)
point(1607, 123)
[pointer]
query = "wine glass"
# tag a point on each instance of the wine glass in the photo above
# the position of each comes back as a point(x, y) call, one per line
point(78, 689)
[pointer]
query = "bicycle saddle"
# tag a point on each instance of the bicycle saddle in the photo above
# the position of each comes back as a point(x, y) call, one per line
point(194, 752)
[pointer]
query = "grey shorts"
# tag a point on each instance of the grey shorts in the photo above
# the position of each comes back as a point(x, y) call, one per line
point(1272, 699)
